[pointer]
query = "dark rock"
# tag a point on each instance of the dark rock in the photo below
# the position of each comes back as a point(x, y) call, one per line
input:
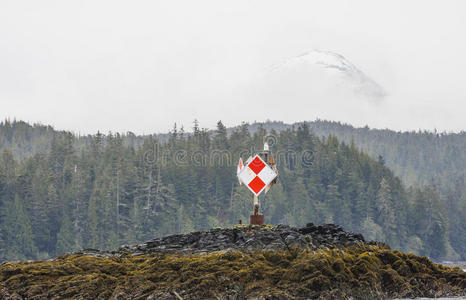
point(242, 237)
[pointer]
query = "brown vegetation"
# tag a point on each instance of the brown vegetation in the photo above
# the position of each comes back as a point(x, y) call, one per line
point(358, 271)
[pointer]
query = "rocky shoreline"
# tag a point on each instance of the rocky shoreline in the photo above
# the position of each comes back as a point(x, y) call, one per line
point(243, 262)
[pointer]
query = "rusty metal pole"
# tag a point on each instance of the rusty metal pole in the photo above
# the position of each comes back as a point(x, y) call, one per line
point(256, 218)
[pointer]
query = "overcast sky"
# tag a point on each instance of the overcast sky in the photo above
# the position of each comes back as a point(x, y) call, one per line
point(142, 65)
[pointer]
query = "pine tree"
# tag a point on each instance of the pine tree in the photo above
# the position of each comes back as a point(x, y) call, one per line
point(16, 229)
point(92, 236)
point(65, 237)
point(385, 210)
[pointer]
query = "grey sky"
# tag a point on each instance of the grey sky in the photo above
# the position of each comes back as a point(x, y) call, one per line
point(143, 65)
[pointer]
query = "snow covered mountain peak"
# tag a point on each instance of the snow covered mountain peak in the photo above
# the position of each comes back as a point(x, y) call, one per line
point(326, 58)
point(338, 68)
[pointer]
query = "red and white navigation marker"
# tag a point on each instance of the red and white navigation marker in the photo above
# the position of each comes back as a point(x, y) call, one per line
point(256, 175)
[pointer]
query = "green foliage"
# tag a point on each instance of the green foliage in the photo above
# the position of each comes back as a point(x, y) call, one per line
point(18, 235)
point(101, 191)
point(65, 241)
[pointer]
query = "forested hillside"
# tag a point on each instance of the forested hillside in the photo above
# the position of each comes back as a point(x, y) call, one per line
point(26, 140)
point(102, 191)
point(419, 158)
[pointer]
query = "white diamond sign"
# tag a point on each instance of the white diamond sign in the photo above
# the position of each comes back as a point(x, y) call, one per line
point(257, 175)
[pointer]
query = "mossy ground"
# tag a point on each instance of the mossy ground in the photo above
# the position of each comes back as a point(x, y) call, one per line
point(362, 272)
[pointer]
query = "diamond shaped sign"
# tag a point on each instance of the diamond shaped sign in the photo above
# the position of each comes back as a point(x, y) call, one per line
point(257, 175)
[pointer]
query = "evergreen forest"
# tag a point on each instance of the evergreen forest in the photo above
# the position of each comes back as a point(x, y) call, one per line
point(60, 192)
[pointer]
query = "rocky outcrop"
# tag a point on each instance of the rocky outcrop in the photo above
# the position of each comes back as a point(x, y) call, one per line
point(244, 262)
point(250, 238)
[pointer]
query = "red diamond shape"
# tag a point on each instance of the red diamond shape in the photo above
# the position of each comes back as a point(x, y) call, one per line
point(256, 165)
point(256, 184)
